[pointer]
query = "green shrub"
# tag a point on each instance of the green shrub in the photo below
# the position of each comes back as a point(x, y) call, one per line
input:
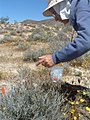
point(13, 32)
point(32, 55)
point(22, 46)
point(46, 101)
point(58, 41)
point(2, 31)
point(6, 38)
point(38, 34)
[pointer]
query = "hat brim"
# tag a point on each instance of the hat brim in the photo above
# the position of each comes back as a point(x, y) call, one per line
point(46, 12)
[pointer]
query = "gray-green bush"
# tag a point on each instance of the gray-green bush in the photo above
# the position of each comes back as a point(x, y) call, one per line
point(47, 101)
point(32, 55)
point(38, 34)
point(58, 42)
point(6, 38)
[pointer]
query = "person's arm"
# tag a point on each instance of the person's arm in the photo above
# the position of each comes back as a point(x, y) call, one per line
point(81, 43)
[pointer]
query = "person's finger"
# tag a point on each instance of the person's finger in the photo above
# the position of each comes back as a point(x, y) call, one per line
point(42, 57)
point(40, 62)
point(37, 63)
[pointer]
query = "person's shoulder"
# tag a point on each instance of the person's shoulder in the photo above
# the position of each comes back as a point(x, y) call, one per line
point(83, 3)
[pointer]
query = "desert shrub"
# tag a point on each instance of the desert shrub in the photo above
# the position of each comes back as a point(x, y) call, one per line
point(6, 38)
point(46, 28)
point(18, 40)
point(16, 31)
point(51, 33)
point(13, 32)
point(32, 55)
point(1, 38)
point(10, 28)
point(19, 30)
point(67, 28)
point(2, 31)
point(46, 101)
point(38, 34)
point(22, 46)
point(30, 30)
point(25, 103)
point(59, 41)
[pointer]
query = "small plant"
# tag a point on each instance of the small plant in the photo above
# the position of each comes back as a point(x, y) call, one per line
point(2, 31)
point(32, 55)
point(58, 41)
point(38, 34)
point(13, 32)
point(6, 38)
point(22, 46)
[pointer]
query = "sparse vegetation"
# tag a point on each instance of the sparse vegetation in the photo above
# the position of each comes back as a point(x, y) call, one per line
point(26, 91)
point(28, 100)
point(22, 46)
point(32, 55)
point(6, 38)
point(38, 34)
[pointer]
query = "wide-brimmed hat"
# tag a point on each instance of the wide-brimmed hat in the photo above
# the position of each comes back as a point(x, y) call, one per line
point(51, 3)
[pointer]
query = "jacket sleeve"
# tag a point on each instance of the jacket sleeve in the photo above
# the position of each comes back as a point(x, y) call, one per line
point(81, 43)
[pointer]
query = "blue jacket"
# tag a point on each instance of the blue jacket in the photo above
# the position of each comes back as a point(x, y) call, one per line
point(80, 20)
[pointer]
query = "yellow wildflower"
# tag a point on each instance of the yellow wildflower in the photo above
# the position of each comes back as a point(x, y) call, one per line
point(75, 118)
point(72, 111)
point(64, 114)
point(88, 109)
point(82, 100)
point(66, 99)
point(72, 103)
point(77, 102)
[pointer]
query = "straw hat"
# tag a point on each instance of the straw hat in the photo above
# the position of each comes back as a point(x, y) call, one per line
point(51, 3)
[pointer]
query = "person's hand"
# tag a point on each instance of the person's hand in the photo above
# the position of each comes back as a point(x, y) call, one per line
point(45, 60)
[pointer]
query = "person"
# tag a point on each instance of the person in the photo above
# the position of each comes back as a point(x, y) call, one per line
point(77, 13)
